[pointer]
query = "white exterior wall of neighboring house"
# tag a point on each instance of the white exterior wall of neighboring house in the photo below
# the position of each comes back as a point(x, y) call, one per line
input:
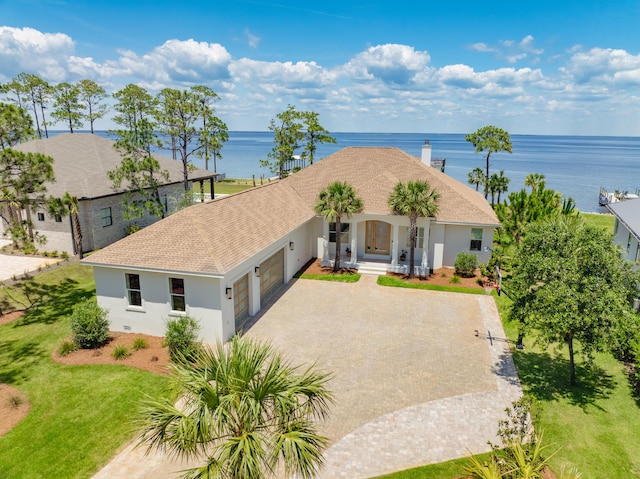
point(202, 298)
point(457, 238)
point(630, 247)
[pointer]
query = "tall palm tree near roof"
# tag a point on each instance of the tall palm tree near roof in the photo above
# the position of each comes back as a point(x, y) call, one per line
point(335, 201)
point(476, 177)
point(413, 199)
point(68, 204)
point(244, 409)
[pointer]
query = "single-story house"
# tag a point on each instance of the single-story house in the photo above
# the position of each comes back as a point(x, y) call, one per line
point(80, 163)
point(626, 231)
point(219, 261)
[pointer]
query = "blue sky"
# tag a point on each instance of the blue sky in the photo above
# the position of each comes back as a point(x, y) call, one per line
point(535, 67)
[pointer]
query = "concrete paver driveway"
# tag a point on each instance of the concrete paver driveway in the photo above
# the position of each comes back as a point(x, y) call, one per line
point(11, 265)
point(412, 381)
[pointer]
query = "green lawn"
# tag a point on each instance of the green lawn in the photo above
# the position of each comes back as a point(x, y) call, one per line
point(340, 278)
point(80, 415)
point(400, 283)
point(228, 186)
point(603, 221)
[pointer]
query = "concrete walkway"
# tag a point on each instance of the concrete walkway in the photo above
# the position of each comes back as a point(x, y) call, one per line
point(11, 265)
point(413, 383)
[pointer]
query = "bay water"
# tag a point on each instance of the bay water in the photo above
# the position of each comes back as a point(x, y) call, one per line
point(576, 166)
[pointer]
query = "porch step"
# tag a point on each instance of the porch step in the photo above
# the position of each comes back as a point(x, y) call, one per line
point(378, 269)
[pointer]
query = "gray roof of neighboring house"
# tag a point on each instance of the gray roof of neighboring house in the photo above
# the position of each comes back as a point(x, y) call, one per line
point(81, 162)
point(628, 213)
point(214, 237)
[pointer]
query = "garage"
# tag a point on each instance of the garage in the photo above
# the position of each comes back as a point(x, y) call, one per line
point(241, 300)
point(271, 274)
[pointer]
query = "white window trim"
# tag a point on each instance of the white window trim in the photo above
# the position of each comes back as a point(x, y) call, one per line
point(474, 239)
point(177, 312)
point(133, 307)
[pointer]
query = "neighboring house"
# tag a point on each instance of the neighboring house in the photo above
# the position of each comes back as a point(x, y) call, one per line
point(626, 231)
point(219, 261)
point(80, 163)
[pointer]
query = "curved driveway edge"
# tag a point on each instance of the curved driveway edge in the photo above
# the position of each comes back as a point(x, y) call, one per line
point(435, 431)
point(414, 385)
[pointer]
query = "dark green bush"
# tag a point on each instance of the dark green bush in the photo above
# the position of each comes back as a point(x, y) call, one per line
point(89, 324)
point(182, 338)
point(466, 264)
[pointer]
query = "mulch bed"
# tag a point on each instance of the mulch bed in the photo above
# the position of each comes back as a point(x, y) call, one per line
point(440, 276)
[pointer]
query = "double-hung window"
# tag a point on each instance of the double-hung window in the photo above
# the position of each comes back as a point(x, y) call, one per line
point(476, 239)
point(105, 217)
point(176, 287)
point(134, 294)
point(419, 237)
point(344, 232)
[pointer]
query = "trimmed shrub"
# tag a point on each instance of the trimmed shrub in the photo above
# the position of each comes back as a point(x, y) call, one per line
point(120, 352)
point(181, 338)
point(89, 324)
point(140, 343)
point(67, 347)
point(466, 264)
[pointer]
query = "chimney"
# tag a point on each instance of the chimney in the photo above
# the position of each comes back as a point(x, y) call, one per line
point(426, 153)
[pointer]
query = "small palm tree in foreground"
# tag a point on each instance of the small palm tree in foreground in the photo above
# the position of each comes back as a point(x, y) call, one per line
point(413, 199)
point(244, 410)
point(337, 200)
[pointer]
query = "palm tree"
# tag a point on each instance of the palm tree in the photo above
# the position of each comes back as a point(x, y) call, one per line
point(69, 205)
point(245, 410)
point(413, 199)
point(337, 200)
point(476, 177)
point(535, 181)
point(498, 184)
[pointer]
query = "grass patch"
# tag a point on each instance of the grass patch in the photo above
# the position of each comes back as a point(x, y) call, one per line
point(341, 278)
point(228, 186)
point(595, 423)
point(443, 470)
point(400, 283)
point(604, 222)
point(80, 415)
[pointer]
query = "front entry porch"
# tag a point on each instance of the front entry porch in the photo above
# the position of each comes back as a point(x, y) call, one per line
point(374, 246)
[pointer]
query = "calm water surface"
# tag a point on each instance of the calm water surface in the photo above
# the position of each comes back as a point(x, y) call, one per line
point(577, 166)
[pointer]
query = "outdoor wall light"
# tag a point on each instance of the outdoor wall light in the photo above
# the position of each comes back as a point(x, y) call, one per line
point(257, 270)
point(291, 245)
point(229, 292)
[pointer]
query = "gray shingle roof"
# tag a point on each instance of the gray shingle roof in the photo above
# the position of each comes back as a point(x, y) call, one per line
point(628, 212)
point(214, 237)
point(81, 162)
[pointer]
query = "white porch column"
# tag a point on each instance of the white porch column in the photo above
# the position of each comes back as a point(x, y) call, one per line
point(424, 264)
point(323, 245)
point(394, 247)
point(354, 243)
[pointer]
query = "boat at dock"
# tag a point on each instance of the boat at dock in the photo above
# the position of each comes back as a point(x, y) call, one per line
point(607, 197)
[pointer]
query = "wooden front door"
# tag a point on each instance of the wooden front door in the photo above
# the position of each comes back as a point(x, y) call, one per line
point(378, 238)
